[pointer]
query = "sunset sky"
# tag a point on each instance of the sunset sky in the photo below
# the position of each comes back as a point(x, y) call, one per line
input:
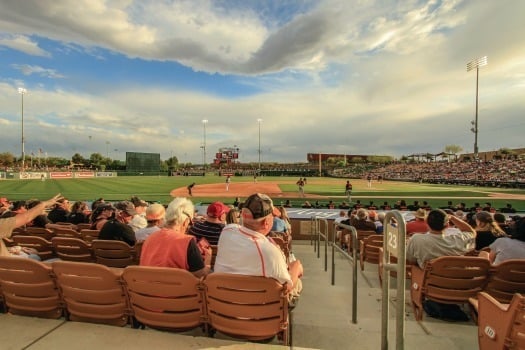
point(332, 76)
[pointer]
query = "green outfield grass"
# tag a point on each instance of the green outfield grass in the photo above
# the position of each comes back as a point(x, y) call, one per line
point(153, 188)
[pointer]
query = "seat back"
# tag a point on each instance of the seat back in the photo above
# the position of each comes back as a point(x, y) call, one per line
point(44, 248)
point(369, 249)
point(66, 231)
point(92, 292)
point(83, 226)
point(113, 253)
point(362, 234)
point(40, 232)
point(72, 249)
point(29, 288)
point(165, 298)
point(455, 279)
point(247, 307)
point(505, 279)
point(283, 245)
point(501, 326)
point(89, 235)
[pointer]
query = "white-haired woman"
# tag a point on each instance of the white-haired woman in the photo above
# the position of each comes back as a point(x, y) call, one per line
point(172, 247)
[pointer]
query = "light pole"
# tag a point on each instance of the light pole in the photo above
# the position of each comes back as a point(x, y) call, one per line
point(479, 62)
point(259, 121)
point(22, 92)
point(204, 122)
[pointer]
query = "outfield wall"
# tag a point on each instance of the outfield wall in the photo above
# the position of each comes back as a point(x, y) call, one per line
point(43, 175)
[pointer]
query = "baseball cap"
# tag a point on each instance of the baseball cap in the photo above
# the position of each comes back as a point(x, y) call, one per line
point(137, 202)
point(155, 212)
point(260, 205)
point(126, 206)
point(216, 209)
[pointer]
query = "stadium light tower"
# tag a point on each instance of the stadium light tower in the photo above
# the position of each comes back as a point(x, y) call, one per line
point(476, 64)
point(259, 121)
point(204, 122)
point(22, 92)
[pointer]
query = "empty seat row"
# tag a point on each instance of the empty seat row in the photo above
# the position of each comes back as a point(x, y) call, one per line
point(246, 307)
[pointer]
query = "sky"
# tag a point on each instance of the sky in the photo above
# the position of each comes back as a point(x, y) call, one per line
point(370, 77)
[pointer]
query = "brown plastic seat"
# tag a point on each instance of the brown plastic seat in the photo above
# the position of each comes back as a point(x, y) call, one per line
point(40, 232)
point(29, 288)
point(113, 253)
point(449, 280)
point(247, 307)
point(72, 249)
point(393, 260)
point(89, 235)
point(44, 248)
point(66, 231)
point(501, 326)
point(362, 234)
point(164, 298)
point(506, 279)
point(369, 250)
point(92, 293)
point(83, 226)
point(137, 251)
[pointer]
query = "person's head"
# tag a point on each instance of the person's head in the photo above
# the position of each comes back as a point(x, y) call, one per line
point(78, 207)
point(257, 213)
point(140, 204)
point(180, 213)
point(19, 207)
point(420, 214)
point(437, 220)
point(485, 222)
point(284, 213)
point(155, 214)
point(342, 213)
point(125, 211)
point(63, 203)
point(216, 212)
point(500, 218)
point(232, 217)
point(519, 232)
point(362, 214)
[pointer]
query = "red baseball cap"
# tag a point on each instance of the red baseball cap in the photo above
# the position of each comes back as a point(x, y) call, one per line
point(216, 209)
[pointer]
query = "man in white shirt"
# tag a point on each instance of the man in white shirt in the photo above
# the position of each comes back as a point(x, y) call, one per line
point(246, 249)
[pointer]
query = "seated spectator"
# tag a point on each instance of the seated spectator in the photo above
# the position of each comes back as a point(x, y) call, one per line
point(287, 204)
point(344, 205)
point(306, 204)
point(18, 207)
point(139, 219)
point(508, 209)
point(5, 204)
point(117, 228)
point(79, 213)
point(419, 225)
point(279, 226)
point(361, 221)
point(246, 250)
point(414, 207)
point(100, 215)
point(232, 217)
point(96, 203)
point(211, 227)
point(40, 220)
point(487, 230)
point(155, 214)
point(7, 225)
point(501, 220)
point(330, 205)
point(236, 202)
point(60, 212)
point(371, 206)
point(357, 204)
point(385, 206)
point(379, 223)
point(422, 247)
point(171, 246)
point(507, 248)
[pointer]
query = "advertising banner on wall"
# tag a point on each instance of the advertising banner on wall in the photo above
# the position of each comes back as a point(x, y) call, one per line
point(61, 175)
point(84, 174)
point(105, 174)
point(32, 176)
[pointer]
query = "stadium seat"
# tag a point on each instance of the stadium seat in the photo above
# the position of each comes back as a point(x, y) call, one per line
point(247, 307)
point(92, 293)
point(44, 248)
point(113, 253)
point(72, 249)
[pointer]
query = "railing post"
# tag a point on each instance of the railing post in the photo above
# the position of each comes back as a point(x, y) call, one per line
point(394, 243)
point(353, 232)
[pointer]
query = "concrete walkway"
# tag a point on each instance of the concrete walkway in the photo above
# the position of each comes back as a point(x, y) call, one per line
point(322, 320)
